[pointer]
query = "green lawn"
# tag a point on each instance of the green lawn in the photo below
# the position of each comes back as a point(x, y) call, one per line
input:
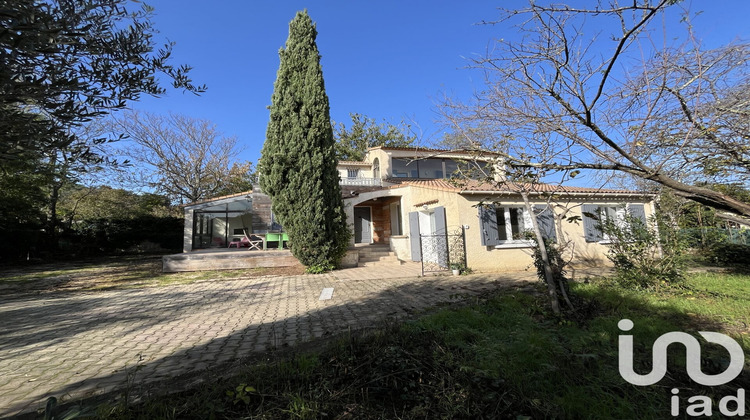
point(504, 356)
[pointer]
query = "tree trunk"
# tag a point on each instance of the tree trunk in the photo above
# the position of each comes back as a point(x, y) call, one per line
point(700, 224)
point(52, 220)
point(551, 289)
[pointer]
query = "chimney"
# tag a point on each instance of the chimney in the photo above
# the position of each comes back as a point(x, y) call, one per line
point(499, 170)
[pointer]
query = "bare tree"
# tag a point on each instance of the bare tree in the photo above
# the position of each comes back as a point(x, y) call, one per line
point(186, 158)
point(569, 96)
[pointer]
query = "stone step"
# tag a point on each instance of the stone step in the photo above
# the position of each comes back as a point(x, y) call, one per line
point(379, 263)
point(379, 248)
point(377, 254)
point(373, 258)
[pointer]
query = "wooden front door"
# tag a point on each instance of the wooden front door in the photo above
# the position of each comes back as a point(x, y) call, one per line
point(362, 225)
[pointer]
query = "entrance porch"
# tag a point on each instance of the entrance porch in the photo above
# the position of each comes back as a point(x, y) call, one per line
point(377, 220)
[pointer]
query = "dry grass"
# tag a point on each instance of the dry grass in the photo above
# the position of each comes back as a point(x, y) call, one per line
point(110, 273)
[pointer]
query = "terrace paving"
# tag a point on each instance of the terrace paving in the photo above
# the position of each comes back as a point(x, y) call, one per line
point(75, 345)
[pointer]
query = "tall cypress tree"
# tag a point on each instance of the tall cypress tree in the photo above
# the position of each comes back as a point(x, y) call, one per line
point(298, 160)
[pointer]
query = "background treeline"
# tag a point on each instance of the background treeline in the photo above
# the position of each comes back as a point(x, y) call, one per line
point(89, 221)
point(715, 236)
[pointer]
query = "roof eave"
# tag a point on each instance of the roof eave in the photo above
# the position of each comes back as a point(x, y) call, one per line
point(583, 194)
point(218, 200)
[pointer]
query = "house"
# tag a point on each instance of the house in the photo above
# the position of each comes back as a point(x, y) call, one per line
point(403, 198)
point(403, 201)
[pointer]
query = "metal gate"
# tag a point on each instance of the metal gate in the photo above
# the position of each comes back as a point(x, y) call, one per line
point(440, 251)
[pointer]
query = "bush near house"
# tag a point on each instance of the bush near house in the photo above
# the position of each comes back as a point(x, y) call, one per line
point(643, 257)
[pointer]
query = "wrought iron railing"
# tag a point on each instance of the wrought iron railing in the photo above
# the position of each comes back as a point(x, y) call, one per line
point(442, 251)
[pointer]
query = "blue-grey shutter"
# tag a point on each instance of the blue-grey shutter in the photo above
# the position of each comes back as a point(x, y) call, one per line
point(638, 212)
point(416, 250)
point(488, 226)
point(591, 230)
point(546, 220)
point(440, 224)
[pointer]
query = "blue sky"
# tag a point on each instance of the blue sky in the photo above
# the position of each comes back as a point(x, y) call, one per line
point(386, 59)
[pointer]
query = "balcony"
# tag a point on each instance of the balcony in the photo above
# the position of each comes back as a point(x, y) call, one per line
point(362, 181)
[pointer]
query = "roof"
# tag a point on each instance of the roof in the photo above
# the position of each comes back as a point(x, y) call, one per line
point(410, 149)
point(223, 197)
point(479, 187)
point(440, 151)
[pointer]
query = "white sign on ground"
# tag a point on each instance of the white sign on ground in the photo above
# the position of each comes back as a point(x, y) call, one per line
point(326, 294)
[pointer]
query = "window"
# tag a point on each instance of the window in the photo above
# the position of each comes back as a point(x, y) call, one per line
point(451, 167)
point(472, 169)
point(616, 214)
point(511, 223)
point(430, 168)
point(352, 173)
point(376, 168)
point(396, 219)
point(594, 215)
point(436, 168)
point(404, 168)
point(504, 226)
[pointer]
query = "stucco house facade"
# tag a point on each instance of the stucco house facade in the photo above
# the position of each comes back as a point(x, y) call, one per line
point(402, 194)
point(404, 200)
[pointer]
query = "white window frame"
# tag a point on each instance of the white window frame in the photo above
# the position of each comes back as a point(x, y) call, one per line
point(606, 212)
point(524, 226)
point(351, 171)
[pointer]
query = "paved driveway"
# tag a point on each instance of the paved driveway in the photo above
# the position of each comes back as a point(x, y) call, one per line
point(73, 345)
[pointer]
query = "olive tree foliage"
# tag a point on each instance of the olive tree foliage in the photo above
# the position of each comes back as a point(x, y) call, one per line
point(364, 132)
point(187, 159)
point(298, 161)
point(66, 62)
point(595, 89)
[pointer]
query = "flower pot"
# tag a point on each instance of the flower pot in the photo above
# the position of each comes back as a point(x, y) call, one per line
point(456, 272)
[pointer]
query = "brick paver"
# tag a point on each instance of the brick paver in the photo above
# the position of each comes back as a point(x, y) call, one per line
point(73, 345)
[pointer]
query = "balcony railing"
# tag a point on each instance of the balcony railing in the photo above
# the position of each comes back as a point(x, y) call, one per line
point(361, 181)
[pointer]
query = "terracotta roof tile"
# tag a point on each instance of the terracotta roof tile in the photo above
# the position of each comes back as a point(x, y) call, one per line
point(474, 186)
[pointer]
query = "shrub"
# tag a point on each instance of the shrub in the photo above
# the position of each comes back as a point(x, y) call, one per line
point(729, 254)
point(641, 258)
point(97, 236)
point(319, 268)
